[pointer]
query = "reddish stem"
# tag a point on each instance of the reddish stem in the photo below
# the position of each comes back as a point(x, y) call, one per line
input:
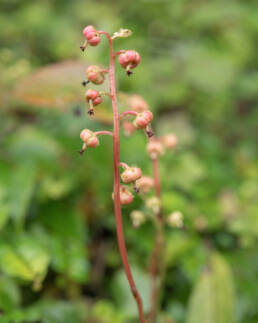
point(126, 113)
point(124, 165)
point(119, 52)
point(117, 205)
point(104, 132)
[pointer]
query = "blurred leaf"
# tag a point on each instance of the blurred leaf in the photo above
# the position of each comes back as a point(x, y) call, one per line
point(30, 145)
point(9, 294)
point(54, 85)
point(105, 312)
point(25, 258)
point(212, 300)
point(59, 86)
point(21, 190)
point(123, 295)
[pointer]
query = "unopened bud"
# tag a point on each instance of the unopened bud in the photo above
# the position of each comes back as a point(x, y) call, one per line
point(128, 128)
point(143, 119)
point(175, 219)
point(131, 174)
point(145, 184)
point(89, 138)
point(155, 148)
point(126, 197)
point(91, 35)
point(138, 218)
point(95, 74)
point(94, 96)
point(137, 103)
point(153, 204)
point(169, 140)
point(129, 60)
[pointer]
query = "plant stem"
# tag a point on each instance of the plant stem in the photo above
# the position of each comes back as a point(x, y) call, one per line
point(157, 259)
point(104, 132)
point(126, 113)
point(116, 158)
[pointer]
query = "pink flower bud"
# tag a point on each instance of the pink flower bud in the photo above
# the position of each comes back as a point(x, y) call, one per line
point(85, 135)
point(126, 197)
point(155, 148)
point(143, 119)
point(97, 101)
point(91, 35)
point(169, 140)
point(89, 31)
point(95, 75)
point(94, 96)
point(145, 183)
point(93, 141)
point(137, 103)
point(129, 60)
point(128, 128)
point(94, 41)
point(131, 174)
point(89, 138)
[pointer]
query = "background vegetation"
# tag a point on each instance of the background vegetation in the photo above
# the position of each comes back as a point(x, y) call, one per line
point(58, 255)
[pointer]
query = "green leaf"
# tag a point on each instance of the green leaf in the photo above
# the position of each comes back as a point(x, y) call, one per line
point(20, 191)
point(212, 300)
point(9, 294)
point(25, 258)
point(123, 293)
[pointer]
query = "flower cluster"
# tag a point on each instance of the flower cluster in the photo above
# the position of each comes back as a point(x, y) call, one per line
point(128, 59)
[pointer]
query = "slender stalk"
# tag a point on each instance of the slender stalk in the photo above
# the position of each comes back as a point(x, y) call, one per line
point(116, 159)
point(104, 132)
point(157, 259)
point(126, 113)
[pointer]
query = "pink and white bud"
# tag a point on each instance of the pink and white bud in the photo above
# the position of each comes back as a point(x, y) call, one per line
point(91, 35)
point(129, 60)
point(175, 219)
point(145, 184)
point(155, 148)
point(95, 74)
point(137, 103)
point(94, 96)
point(138, 218)
point(143, 119)
point(93, 141)
point(89, 138)
point(128, 128)
point(169, 140)
point(126, 197)
point(131, 174)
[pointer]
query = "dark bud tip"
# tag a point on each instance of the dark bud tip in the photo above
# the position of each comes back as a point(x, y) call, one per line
point(84, 83)
point(82, 48)
point(150, 133)
point(81, 151)
point(136, 189)
point(129, 72)
point(91, 112)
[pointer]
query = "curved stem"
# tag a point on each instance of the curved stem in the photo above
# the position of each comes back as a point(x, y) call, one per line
point(117, 205)
point(126, 113)
point(119, 52)
point(124, 165)
point(104, 132)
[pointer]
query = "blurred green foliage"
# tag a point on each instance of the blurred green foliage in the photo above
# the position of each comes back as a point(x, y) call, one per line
point(58, 255)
